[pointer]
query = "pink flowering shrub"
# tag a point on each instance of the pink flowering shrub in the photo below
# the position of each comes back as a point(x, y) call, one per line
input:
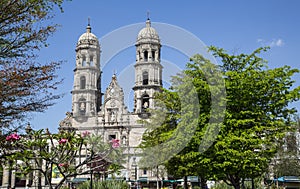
point(85, 134)
point(13, 137)
point(63, 141)
point(115, 143)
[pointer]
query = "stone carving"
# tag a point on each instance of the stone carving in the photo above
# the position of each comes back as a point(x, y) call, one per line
point(67, 121)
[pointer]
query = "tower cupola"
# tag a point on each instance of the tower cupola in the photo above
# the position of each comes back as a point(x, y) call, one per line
point(88, 39)
point(148, 34)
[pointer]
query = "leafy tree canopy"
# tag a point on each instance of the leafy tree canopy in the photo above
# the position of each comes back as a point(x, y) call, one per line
point(257, 115)
point(239, 142)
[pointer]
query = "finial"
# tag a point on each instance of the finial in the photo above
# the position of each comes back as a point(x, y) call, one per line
point(88, 28)
point(114, 75)
point(148, 22)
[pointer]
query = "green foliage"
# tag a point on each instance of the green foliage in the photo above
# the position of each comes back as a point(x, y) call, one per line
point(196, 187)
point(232, 144)
point(257, 115)
point(115, 184)
point(194, 122)
point(247, 185)
point(222, 185)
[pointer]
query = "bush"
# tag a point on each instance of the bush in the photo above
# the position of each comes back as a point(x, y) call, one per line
point(196, 187)
point(106, 184)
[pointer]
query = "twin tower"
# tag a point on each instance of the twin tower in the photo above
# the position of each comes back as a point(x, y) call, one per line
point(93, 110)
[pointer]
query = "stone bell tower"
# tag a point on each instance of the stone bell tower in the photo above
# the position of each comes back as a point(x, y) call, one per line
point(86, 93)
point(148, 69)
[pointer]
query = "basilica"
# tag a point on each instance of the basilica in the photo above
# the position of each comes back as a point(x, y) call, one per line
point(104, 113)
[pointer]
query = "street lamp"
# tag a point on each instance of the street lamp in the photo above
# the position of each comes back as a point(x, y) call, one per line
point(28, 129)
point(134, 165)
point(91, 164)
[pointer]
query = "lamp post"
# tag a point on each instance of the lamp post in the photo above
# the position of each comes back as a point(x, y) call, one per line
point(91, 183)
point(134, 165)
point(28, 131)
point(91, 165)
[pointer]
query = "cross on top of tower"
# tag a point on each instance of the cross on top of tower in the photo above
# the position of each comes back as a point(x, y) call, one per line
point(148, 23)
point(88, 28)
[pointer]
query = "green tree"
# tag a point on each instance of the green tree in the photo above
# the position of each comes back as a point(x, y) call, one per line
point(186, 121)
point(160, 128)
point(257, 115)
point(210, 87)
point(240, 142)
point(26, 85)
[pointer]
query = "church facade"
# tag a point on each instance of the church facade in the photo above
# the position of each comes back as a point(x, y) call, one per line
point(105, 113)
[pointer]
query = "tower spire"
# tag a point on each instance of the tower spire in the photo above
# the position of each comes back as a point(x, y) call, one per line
point(148, 22)
point(88, 28)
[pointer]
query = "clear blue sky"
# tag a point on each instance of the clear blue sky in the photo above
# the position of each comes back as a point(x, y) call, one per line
point(235, 25)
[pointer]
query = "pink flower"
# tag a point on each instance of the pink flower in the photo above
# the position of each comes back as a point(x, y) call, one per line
point(63, 165)
point(63, 141)
point(115, 143)
point(13, 137)
point(85, 134)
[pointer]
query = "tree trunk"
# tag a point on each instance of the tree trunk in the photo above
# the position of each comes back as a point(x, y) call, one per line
point(203, 183)
point(185, 186)
point(237, 186)
point(236, 183)
point(243, 183)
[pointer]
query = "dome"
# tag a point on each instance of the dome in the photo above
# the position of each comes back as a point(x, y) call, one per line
point(148, 34)
point(88, 38)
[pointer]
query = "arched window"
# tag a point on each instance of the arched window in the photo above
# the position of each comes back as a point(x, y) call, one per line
point(83, 61)
point(145, 78)
point(145, 103)
point(92, 60)
point(153, 55)
point(82, 82)
point(145, 55)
